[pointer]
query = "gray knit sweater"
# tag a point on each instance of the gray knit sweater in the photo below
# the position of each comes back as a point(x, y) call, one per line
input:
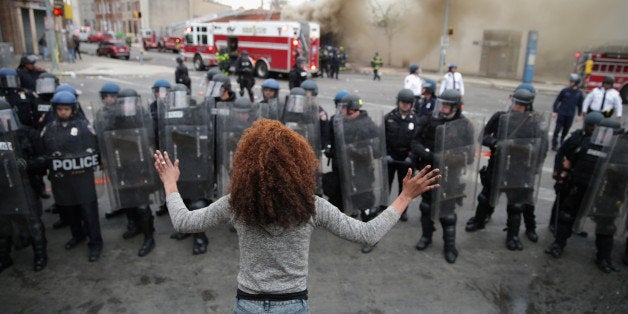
point(274, 260)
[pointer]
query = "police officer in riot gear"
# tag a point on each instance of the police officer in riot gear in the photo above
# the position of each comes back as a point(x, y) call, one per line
point(576, 139)
point(424, 106)
point(583, 170)
point(160, 90)
point(21, 99)
point(400, 126)
point(518, 136)
point(311, 90)
point(45, 87)
point(270, 106)
point(298, 73)
point(357, 181)
point(244, 71)
point(20, 211)
point(444, 140)
point(224, 92)
point(71, 144)
point(186, 132)
point(80, 114)
point(29, 72)
point(210, 74)
point(125, 134)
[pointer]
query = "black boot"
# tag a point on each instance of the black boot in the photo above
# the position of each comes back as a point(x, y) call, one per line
point(200, 243)
point(530, 223)
point(427, 226)
point(40, 257)
point(449, 237)
point(147, 228)
point(513, 224)
point(604, 245)
point(132, 229)
point(555, 250)
point(5, 253)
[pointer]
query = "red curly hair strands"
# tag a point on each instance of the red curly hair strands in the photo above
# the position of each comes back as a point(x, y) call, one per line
point(272, 177)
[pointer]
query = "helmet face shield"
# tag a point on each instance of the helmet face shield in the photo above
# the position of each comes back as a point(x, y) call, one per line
point(214, 89)
point(127, 105)
point(161, 92)
point(45, 85)
point(602, 135)
point(444, 109)
point(8, 120)
point(178, 99)
point(296, 103)
point(10, 81)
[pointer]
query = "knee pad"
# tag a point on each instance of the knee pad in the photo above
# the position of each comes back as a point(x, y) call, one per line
point(199, 203)
point(516, 208)
point(448, 219)
point(425, 207)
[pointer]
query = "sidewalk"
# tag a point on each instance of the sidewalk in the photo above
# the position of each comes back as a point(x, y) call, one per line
point(542, 85)
point(100, 66)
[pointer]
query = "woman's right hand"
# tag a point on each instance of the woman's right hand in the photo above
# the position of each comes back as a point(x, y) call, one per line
point(424, 181)
point(168, 171)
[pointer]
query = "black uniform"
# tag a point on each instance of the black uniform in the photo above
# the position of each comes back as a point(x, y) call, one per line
point(399, 133)
point(28, 78)
point(182, 76)
point(296, 76)
point(244, 70)
point(73, 149)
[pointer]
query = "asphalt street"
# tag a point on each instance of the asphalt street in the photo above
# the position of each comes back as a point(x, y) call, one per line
point(394, 278)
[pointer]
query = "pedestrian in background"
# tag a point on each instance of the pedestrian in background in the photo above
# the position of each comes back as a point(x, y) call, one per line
point(452, 80)
point(275, 218)
point(71, 49)
point(77, 47)
point(376, 63)
point(567, 102)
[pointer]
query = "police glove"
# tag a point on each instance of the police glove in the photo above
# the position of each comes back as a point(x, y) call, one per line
point(426, 156)
point(329, 152)
point(408, 161)
point(489, 142)
point(388, 159)
point(21, 163)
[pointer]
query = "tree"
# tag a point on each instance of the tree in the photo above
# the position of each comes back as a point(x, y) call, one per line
point(388, 19)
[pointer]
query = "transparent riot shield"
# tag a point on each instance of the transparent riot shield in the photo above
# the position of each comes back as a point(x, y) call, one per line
point(360, 146)
point(605, 198)
point(230, 126)
point(301, 115)
point(12, 190)
point(187, 134)
point(520, 152)
point(455, 155)
point(126, 138)
point(271, 109)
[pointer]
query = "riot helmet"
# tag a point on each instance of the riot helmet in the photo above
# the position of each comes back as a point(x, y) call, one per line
point(8, 117)
point(339, 96)
point(109, 93)
point(448, 105)
point(178, 97)
point(127, 102)
point(309, 85)
point(30, 59)
point(64, 98)
point(9, 78)
point(245, 54)
point(296, 101)
point(609, 80)
point(405, 95)
point(414, 68)
point(243, 108)
point(573, 77)
point(604, 132)
point(429, 86)
point(301, 60)
point(46, 83)
point(211, 73)
point(523, 97)
point(352, 102)
point(67, 88)
point(161, 88)
point(268, 86)
point(528, 87)
point(222, 84)
point(591, 121)
point(179, 60)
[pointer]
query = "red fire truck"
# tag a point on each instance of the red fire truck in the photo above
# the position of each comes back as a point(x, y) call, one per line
point(273, 45)
point(150, 40)
point(594, 66)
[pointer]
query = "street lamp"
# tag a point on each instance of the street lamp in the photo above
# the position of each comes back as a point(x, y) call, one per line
point(444, 39)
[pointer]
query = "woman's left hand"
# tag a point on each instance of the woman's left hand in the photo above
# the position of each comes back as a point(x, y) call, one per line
point(168, 172)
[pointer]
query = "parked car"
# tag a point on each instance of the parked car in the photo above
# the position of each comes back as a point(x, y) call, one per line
point(82, 33)
point(113, 49)
point(100, 36)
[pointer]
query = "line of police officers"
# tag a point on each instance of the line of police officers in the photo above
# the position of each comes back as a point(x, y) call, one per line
point(364, 150)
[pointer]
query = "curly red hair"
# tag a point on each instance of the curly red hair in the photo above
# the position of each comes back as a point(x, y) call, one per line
point(273, 176)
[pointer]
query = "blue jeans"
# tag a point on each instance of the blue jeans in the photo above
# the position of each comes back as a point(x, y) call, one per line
point(279, 307)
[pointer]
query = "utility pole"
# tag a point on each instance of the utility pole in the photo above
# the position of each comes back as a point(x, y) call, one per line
point(51, 41)
point(444, 39)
